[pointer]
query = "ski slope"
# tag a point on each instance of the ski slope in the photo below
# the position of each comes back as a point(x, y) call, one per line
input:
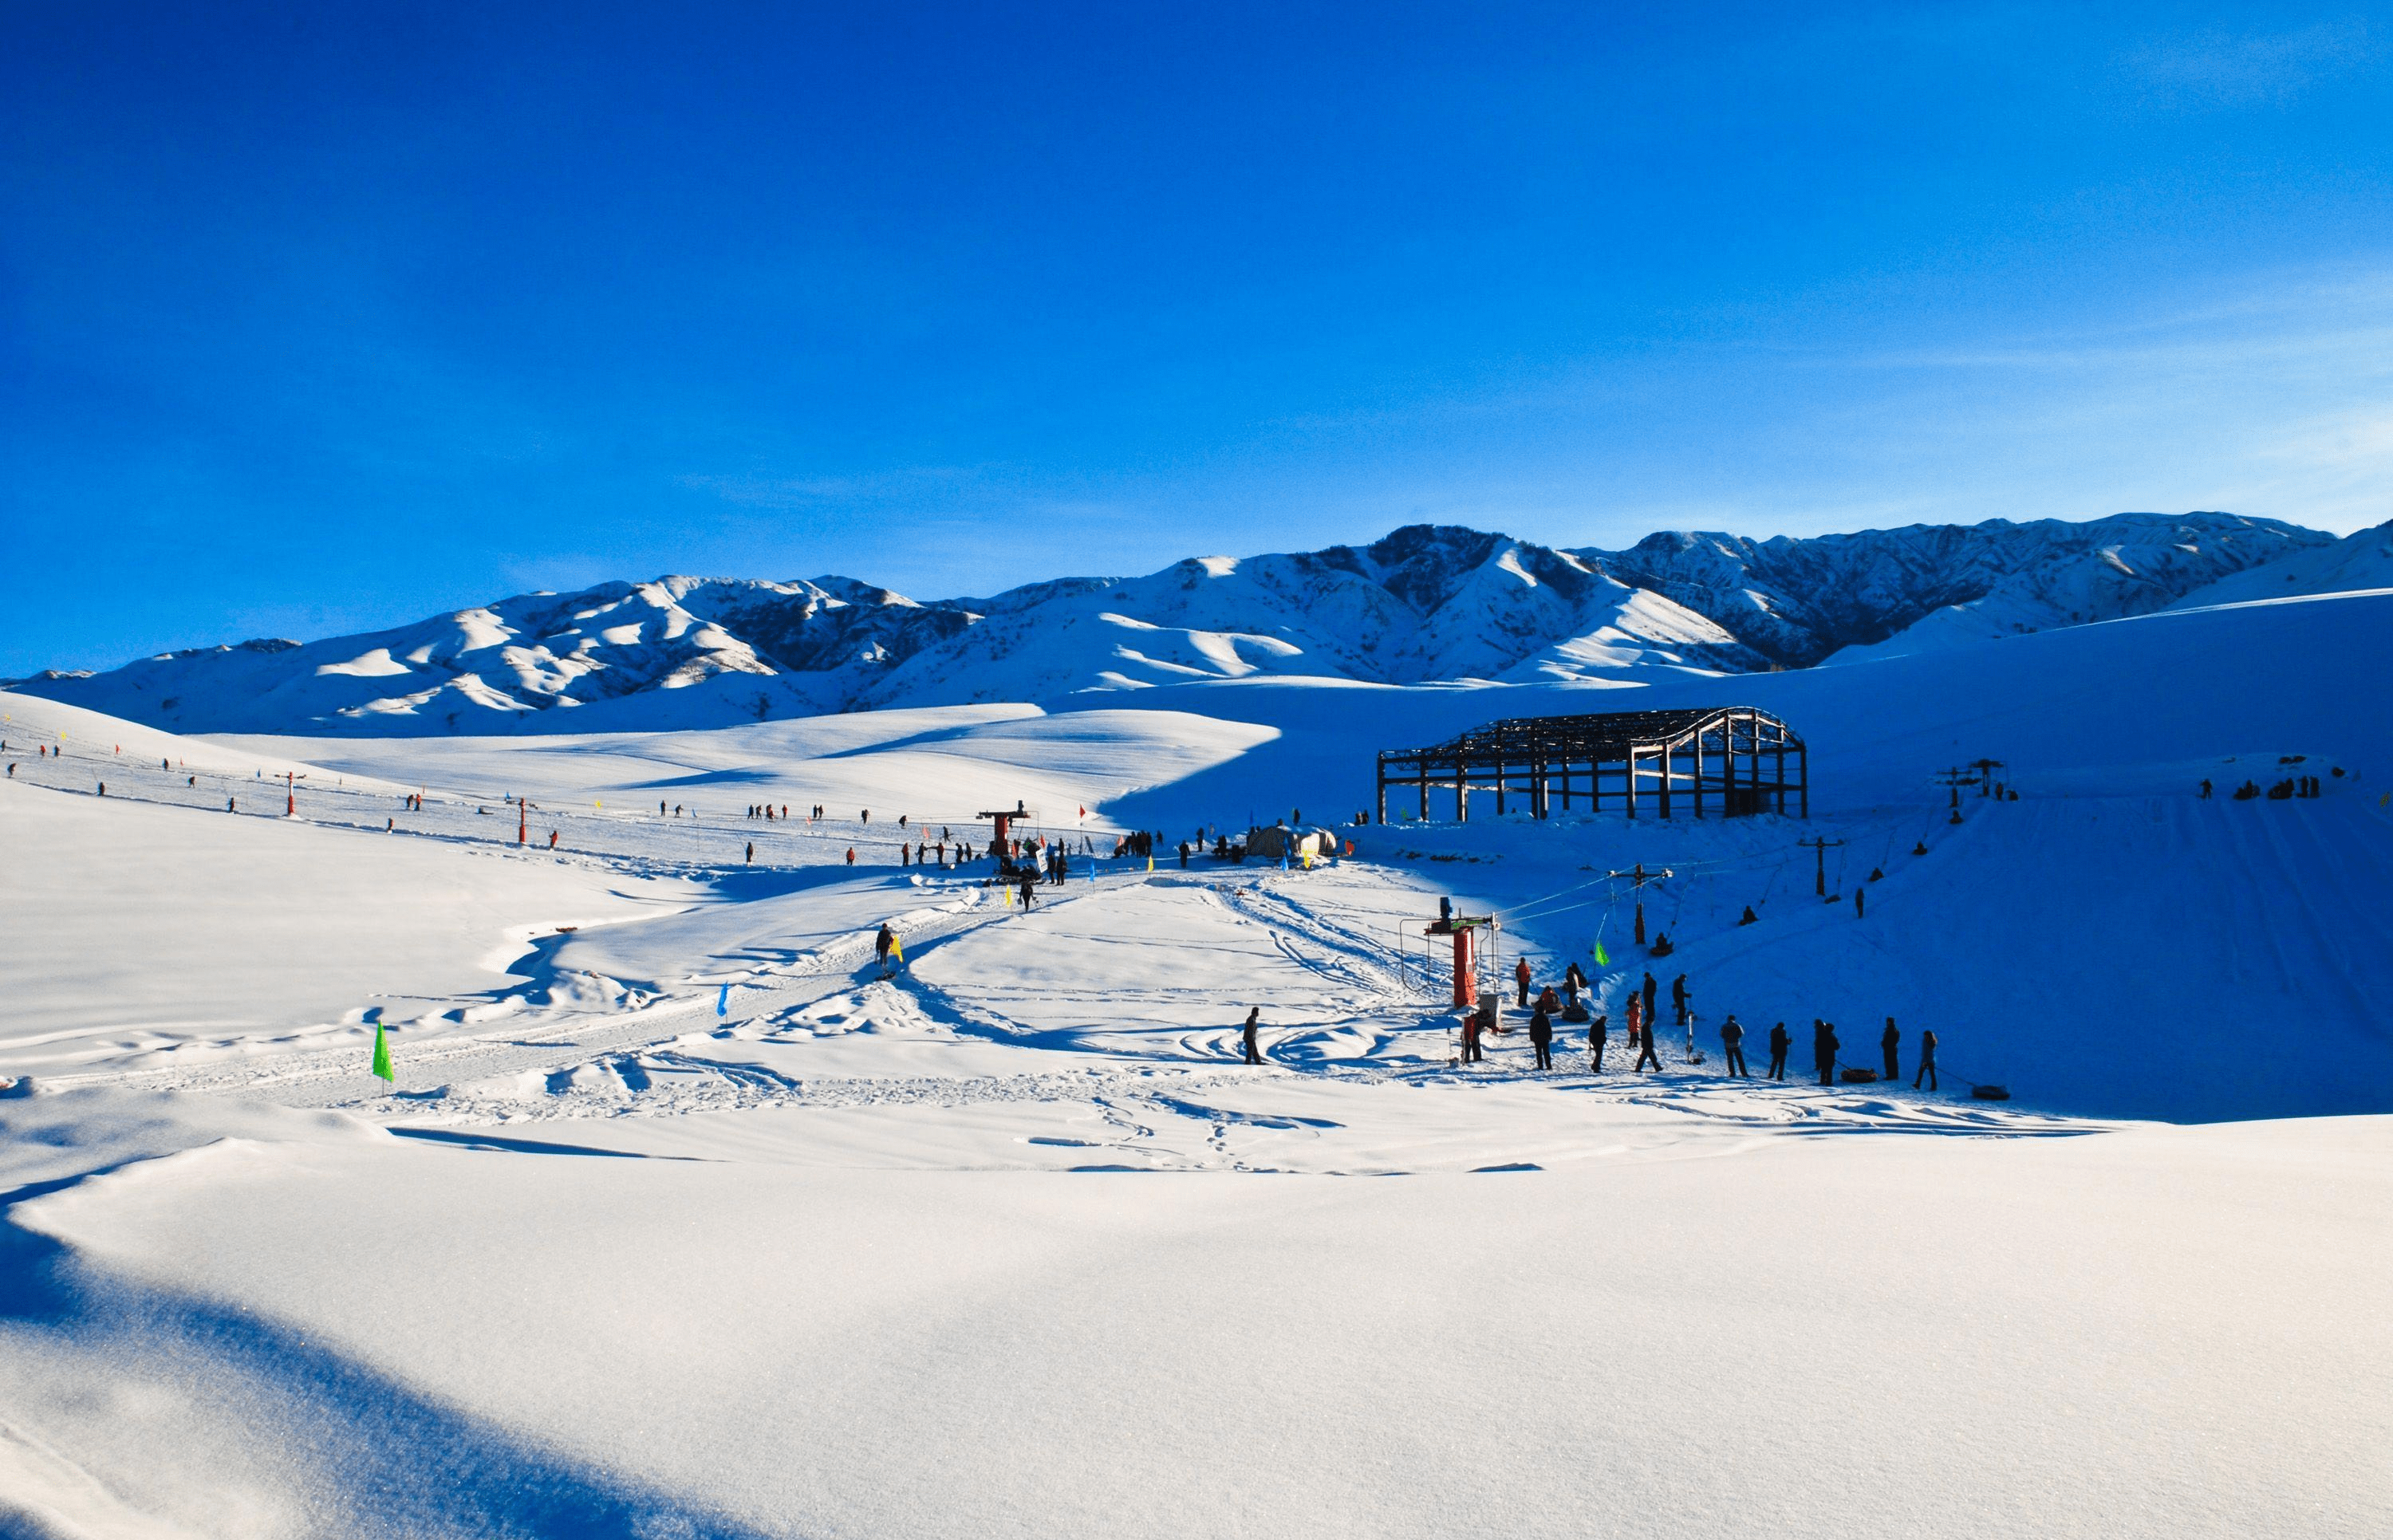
point(686, 1215)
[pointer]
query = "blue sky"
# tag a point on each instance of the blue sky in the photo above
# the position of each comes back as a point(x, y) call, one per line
point(311, 321)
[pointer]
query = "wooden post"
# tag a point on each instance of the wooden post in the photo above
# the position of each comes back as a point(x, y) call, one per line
point(1666, 777)
point(1632, 781)
point(1699, 772)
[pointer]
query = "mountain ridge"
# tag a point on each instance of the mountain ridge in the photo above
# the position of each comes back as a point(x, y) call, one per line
point(1420, 604)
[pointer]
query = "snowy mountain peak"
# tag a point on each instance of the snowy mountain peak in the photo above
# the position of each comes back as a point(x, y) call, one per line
point(1424, 601)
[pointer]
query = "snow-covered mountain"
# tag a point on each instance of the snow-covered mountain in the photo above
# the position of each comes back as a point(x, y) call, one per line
point(2356, 562)
point(1425, 603)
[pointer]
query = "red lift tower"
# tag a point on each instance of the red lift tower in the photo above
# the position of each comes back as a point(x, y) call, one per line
point(1462, 927)
point(1005, 820)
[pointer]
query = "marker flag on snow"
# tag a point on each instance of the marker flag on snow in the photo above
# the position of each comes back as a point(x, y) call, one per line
point(1601, 959)
point(898, 946)
point(1150, 864)
point(382, 1057)
point(723, 1001)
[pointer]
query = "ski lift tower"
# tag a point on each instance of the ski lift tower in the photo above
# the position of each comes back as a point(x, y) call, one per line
point(1005, 819)
point(1462, 927)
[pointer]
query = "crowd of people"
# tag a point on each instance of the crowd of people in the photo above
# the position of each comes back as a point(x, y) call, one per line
point(1570, 1002)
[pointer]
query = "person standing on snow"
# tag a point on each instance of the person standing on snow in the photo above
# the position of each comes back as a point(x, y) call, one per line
point(1779, 1043)
point(851, 855)
point(1471, 1053)
point(1247, 1034)
point(752, 852)
point(1824, 1049)
point(1521, 979)
point(1641, 1032)
point(1572, 982)
point(1029, 888)
point(1890, 1042)
point(881, 943)
point(1678, 999)
point(1648, 992)
point(1926, 1060)
point(1541, 1037)
point(1732, 1042)
point(1599, 1031)
point(1550, 1002)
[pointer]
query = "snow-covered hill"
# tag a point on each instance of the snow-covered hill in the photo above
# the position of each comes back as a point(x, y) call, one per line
point(2351, 565)
point(1425, 603)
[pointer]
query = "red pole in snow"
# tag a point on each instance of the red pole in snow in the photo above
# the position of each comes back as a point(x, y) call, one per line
point(519, 821)
point(1465, 990)
point(290, 793)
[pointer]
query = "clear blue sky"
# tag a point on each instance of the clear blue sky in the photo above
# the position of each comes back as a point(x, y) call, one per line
point(319, 318)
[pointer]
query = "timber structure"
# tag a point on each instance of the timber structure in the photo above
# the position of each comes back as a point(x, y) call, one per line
point(1732, 760)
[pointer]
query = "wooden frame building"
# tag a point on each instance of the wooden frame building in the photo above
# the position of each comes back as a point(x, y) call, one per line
point(1732, 760)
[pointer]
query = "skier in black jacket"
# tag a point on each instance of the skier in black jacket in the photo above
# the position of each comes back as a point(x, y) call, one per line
point(1254, 1016)
point(1541, 1037)
point(1599, 1031)
point(1779, 1043)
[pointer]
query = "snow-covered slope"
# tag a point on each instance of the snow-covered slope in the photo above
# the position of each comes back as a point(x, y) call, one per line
point(810, 1209)
point(2353, 564)
point(1425, 603)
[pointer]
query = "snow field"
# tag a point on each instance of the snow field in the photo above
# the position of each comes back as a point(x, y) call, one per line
point(1852, 1337)
point(1006, 1240)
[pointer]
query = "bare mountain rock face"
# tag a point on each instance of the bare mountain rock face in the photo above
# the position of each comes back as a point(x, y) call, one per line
point(1425, 603)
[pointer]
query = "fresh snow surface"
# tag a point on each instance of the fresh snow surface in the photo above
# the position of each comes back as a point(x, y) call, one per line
point(689, 1220)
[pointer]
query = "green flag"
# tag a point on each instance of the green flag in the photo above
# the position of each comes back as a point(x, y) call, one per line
point(1600, 960)
point(382, 1056)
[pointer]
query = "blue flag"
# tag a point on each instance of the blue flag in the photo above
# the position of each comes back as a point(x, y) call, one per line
point(723, 1002)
